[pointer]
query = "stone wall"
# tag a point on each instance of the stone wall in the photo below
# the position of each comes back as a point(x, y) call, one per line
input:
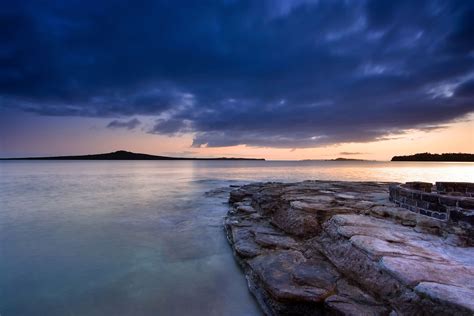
point(442, 204)
point(455, 188)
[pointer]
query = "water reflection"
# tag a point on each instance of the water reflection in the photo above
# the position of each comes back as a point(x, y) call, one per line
point(128, 238)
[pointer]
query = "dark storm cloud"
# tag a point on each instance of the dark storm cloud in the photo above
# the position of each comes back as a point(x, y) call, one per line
point(263, 73)
point(131, 124)
point(466, 89)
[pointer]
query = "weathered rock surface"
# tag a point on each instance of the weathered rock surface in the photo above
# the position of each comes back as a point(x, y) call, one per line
point(342, 248)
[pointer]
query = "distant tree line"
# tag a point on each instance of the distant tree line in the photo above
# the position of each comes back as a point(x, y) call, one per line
point(436, 157)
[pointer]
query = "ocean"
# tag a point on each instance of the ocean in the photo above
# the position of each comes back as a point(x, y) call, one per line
point(144, 237)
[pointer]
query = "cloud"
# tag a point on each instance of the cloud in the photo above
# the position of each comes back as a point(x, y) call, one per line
point(171, 126)
point(184, 153)
point(466, 90)
point(349, 153)
point(131, 124)
point(286, 74)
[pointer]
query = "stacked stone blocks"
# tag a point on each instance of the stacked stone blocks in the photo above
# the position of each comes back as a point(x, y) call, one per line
point(451, 202)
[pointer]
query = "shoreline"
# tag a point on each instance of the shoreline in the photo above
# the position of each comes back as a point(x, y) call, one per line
point(343, 248)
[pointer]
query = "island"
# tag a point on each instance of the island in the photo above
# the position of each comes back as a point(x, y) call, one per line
point(123, 155)
point(460, 157)
point(355, 248)
point(340, 159)
point(347, 159)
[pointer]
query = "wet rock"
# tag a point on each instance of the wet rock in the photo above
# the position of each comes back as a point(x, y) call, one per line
point(237, 195)
point(246, 248)
point(272, 241)
point(247, 209)
point(411, 271)
point(290, 283)
point(404, 216)
point(340, 305)
point(276, 272)
point(448, 294)
point(342, 248)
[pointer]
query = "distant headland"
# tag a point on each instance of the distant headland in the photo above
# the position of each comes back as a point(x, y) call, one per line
point(346, 159)
point(460, 157)
point(123, 155)
point(337, 159)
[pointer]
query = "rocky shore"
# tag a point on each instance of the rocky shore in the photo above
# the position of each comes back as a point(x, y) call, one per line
point(343, 248)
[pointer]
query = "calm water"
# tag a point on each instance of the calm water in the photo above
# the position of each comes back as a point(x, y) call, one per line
point(141, 238)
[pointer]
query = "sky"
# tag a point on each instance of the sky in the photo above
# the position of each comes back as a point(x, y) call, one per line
point(274, 79)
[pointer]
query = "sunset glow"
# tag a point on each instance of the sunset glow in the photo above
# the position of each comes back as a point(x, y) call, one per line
point(278, 80)
point(67, 136)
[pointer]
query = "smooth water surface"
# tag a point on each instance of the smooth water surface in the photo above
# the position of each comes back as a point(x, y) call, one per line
point(142, 237)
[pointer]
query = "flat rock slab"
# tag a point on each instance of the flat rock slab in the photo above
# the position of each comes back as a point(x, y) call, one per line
point(342, 248)
point(288, 276)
